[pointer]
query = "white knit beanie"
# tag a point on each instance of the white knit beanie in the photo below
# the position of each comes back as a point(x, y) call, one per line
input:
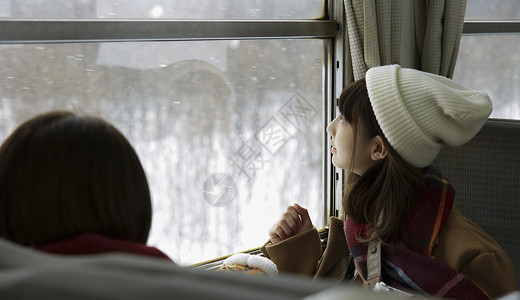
point(418, 112)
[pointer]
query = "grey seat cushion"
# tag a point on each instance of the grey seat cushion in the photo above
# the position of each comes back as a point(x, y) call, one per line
point(486, 175)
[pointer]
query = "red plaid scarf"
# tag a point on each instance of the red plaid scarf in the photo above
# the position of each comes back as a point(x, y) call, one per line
point(411, 268)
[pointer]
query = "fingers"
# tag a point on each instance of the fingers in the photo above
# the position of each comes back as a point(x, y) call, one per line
point(276, 234)
point(281, 231)
point(292, 217)
point(294, 220)
point(306, 222)
point(286, 227)
point(300, 210)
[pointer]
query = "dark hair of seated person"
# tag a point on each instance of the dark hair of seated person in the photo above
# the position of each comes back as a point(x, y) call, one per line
point(63, 175)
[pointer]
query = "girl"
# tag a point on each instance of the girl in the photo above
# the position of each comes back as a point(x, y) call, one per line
point(73, 184)
point(400, 225)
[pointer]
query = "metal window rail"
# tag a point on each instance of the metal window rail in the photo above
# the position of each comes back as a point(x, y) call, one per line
point(491, 27)
point(17, 31)
point(110, 30)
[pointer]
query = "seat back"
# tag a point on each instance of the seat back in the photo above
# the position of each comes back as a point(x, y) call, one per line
point(486, 175)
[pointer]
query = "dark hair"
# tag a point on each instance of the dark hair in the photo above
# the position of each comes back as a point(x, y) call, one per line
point(382, 196)
point(62, 175)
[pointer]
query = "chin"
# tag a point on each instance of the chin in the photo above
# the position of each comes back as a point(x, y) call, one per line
point(339, 165)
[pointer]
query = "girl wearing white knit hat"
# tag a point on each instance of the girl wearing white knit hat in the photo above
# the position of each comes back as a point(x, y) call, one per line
point(400, 226)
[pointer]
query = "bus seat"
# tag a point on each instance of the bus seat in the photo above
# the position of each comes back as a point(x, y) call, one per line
point(28, 274)
point(486, 175)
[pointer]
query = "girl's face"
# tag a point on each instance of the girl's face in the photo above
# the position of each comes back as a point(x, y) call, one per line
point(343, 147)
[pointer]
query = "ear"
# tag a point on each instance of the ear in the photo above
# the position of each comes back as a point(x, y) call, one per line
point(378, 149)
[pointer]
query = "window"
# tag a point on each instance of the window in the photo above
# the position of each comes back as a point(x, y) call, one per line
point(492, 64)
point(228, 121)
point(488, 59)
point(492, 10)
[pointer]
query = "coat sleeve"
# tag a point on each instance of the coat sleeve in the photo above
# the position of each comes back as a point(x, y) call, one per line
point(466, 248)
point(297, 254)
point(493, 272)
point(335, 259)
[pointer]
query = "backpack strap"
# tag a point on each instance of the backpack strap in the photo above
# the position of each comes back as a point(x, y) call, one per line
point(373, 263)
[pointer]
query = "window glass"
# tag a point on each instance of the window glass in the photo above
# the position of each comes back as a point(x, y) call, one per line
point(492, 64)
point(179, 9)
point(492, 9)
point(229, 132)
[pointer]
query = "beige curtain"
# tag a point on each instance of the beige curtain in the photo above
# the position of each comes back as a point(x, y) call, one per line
point(419, 34)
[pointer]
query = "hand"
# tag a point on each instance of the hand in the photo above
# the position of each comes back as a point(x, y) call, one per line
point(295, 220)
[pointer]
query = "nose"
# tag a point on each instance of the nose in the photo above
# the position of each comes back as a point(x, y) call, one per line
point(331, 129)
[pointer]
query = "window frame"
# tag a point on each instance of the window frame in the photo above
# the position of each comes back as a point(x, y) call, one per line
point(30, 31)
point(490, 27)
point(329, 29)
point(474, 27)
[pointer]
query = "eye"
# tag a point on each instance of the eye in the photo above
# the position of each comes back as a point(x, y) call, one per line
point(341, 120)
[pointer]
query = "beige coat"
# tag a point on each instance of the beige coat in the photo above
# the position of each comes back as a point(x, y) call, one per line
point(461, 245)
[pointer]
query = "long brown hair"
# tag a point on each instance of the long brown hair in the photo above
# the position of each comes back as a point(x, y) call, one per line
point(382, 196)
point(62, 175)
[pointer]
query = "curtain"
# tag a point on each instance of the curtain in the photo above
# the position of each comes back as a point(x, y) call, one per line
point(418, 34)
